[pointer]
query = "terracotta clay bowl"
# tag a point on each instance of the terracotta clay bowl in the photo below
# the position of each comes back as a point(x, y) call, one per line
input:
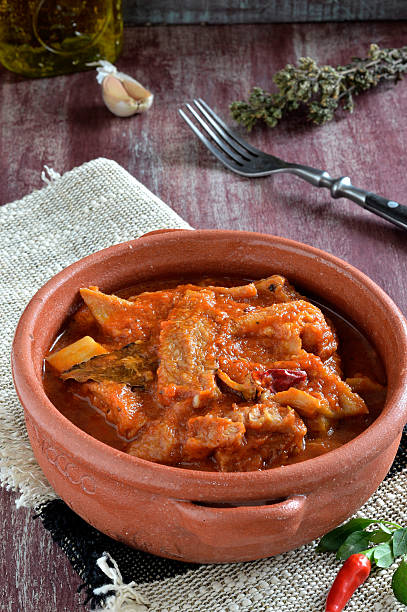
point(178, 513)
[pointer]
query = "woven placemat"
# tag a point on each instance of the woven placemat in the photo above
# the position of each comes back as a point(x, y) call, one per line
point(87, 209)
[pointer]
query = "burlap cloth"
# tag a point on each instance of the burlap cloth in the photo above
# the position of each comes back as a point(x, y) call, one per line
point(87, 209)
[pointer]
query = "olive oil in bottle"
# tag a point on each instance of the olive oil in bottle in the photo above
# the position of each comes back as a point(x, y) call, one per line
point(41, 38)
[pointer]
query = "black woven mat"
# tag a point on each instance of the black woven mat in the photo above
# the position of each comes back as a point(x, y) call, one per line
point(83, 545)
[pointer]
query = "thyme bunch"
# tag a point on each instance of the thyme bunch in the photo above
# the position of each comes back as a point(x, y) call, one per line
point(320, 89)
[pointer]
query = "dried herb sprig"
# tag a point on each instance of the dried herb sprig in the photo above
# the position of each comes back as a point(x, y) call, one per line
point(320, 89)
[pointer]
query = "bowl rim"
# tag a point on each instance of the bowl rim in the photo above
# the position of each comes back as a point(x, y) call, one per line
point(169, 480)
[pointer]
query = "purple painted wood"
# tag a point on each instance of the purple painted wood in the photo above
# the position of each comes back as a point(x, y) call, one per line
point(62, 122)
point(259, 11)
point(35, 574)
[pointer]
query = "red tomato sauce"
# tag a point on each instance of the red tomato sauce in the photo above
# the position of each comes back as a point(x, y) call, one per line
point(217, 374)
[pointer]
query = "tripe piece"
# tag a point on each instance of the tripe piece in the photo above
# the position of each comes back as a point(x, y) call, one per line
point(247, 389)
point(121, 405)
point(272, 431)
point(325, 394)
point(306, 404)
point(186, 352)
point(209, 432)
point(291, 325)
point(278, 288)
point(161, 439)
point(269, 416)
point(240, 292)
point(132, 320)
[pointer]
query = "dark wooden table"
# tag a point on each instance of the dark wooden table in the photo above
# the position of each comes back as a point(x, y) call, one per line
point(62, 122)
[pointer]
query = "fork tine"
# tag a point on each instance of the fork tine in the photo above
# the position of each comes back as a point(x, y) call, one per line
point(228, 131)
point(225, 132)
point(208, 144)
point(221, 143)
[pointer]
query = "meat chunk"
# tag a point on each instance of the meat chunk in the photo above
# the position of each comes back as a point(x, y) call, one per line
point(290, 326)
point(246, 389)
point(277, 288)
point(272, 431)
point(130, 320)
point(121, 406)
point(158, 443)
point(270, 417)
point(187, 353)
point(371, 391)
point(305, 403)
point(239, 292)
point(324, 393)
point(209, 432)
point(161, 440)
point(334, 363)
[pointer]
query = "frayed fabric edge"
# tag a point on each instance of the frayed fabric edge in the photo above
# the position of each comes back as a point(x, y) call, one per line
point(120, 597)
point(19, 470)
point(49, 175)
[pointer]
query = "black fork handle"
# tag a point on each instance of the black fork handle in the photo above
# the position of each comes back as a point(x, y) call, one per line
point(388, 209)
point(342, 188)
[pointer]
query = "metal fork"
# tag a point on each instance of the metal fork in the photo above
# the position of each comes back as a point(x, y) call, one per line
point(242, 158)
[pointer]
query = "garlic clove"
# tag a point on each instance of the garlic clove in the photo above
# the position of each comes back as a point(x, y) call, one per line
point(123, 95)
point(116, 98)
point(138, 92)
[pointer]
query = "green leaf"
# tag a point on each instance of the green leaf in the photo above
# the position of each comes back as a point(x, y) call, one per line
point(334, 539)
point(383, 555)
point(354, 543)
point(379, 536)
point(400, 542)
point(369, 553)
point(399, 582)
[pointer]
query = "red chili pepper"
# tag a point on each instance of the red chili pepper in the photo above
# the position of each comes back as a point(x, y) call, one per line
point(352, 574)
point(280, 379)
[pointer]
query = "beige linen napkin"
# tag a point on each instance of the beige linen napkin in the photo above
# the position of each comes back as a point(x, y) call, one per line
point(87, 209)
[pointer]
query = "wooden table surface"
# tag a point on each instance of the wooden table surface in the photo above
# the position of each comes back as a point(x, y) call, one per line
point(62, 122)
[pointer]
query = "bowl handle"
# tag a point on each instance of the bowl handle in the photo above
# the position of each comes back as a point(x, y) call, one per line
point(218, 526)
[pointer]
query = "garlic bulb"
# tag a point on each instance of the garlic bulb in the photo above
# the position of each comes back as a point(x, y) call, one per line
point(123, 95)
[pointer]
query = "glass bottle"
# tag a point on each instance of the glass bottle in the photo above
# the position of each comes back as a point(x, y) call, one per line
point(41, 38)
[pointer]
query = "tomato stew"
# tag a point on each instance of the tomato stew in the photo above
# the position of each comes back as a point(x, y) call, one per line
point(219, 374)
